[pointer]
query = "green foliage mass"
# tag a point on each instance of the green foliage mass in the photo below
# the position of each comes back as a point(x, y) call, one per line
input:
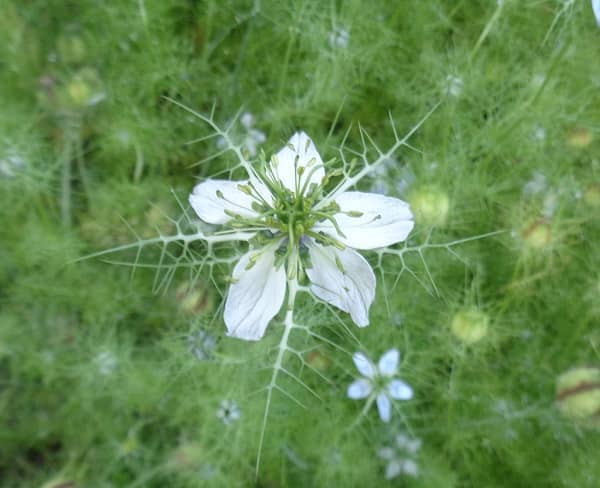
point(102, 382)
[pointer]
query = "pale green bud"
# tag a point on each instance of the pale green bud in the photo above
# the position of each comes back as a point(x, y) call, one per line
point(578, 395)
point(470, 325)
point(430, 206)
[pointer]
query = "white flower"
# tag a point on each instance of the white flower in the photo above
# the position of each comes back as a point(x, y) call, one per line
point(252, 138)
point(11, 164)
point(378, 382)
point(202, 345)
point(454, 85)
point(297, 232)
point(596, 9)
point(339, 37)
point(228, 412)
point(106, 362)
point(399, 457)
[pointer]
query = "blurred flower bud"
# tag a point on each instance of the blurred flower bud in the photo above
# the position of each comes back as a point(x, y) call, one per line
point(430, 206)
point(578, 395)
point(470, 325)
point(537, 235)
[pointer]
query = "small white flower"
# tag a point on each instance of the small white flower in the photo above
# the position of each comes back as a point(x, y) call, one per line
point(400, 457)
point(202, 345)
point(106, 362)
point(539, 133)
point(339, 38)
point(11, 164)
point(378, 382)
point(536, 184)
point(228, 412)
point(596, 9)
point(252, 137)
point(454, 85)
point(297, 230)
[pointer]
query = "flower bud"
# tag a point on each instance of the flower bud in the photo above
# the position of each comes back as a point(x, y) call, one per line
point(193, 300)
point(83, 90)
point(188, 456)
point(430, 206)
point(591, 195)
point(579, 138)
point(578, 395)
point(538, 234)
point(470, 325)
point(317, 360)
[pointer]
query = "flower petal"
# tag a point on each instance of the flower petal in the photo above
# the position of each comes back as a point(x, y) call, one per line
point(410, 467)
point(359, 389)
point(386, 453)
point(364, 365)
point(399, 390)
point(393, 469)
point(596, 8)
point(211, 198)
point(255, 296)
point(384, 405)
point(384, 220)
point(388, 364)
point(342, 278)
point(303, 155)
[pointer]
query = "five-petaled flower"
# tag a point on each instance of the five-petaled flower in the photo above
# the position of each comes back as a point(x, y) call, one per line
point(299, 231)
point(379, 382)
point(400, 457)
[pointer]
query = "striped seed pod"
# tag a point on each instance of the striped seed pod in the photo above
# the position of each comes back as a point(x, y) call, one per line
point(578, 395)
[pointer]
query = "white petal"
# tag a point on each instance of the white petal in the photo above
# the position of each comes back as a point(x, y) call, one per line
point(384, 220)
point(410, 467)
point(351, 289)
point(388, 364)
point(364, 365)
point(255, 296)
point(384, 406)
point(359, 389)
point(305, 155)
point(386, 453)
point(393, 469)
point(399, 390)
point(211, 198)
point(596, 8)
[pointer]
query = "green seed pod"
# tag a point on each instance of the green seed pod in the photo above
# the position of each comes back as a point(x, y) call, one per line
point(194, 300)
point(430, 206)
point(578, 395)
point(83, 90)
point(537, 235)
point(591, 195)
point(470, 325)
point(188, 456)
point(318, 360)
point(579, 137)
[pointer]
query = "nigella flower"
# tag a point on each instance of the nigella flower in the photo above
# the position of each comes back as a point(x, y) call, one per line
point(400, 457)
point(298, 232)
point(596, 9)
point(228, 412)
point(339, 37)
point(378, 382)
point(202, 345)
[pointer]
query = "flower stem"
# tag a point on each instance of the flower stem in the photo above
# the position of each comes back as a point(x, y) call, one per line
point(292, 287)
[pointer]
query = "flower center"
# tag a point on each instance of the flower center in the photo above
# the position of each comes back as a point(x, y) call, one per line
point(294, 215)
